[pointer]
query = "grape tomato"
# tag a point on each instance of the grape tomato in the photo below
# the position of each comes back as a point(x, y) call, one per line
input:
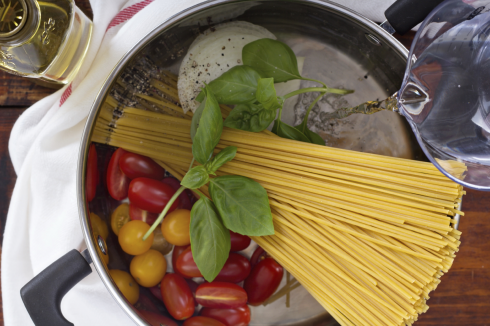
point(155, 319)
point(185, 197)
point(263, 281)
point(119, 217)
point(186, 266)
point(117, 181)
point(131, 238)
point(235, 270)
point(126, 284)
point(176, 227)
point(239, 242)
point(221, 295)
point(92, 174)
point(136, 166)
point(151, 195)
point(258, 255)
point(148, 269)
point(175, 254)
point(229, 317)
point(136, 213)
point(202, 321)
point(155, 290)
point(177, 296)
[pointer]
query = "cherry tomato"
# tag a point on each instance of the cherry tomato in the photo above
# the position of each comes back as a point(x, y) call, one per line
point(160, 243)
point(92, 176)
point(148, 269)
point(177, 296)
point(186, 266)
point(221, 295)
point(131, 238)
point(175, 254)
point(235, 270)
point(185, 201)
point(263, 281)
point(136, 213)
point(136, 166)
point(238, 241)
point(202, 321)
point(117, 181)
point(258, 255)
point(98, 226)
point(155, 290)
point(176, 227)
point(119, 217)
point(126, 284)
point(155, 319)
point(151, 195)
point(229, 317)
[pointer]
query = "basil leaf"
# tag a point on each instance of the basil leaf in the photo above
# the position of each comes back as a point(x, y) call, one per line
point(236, 86)
point(209, 130)
point(196, 177)
point(250, 117)
point(272, 59)
point(195, 119)
point(242, 204)
point(210, 240)
point(227, 154)
point(286, 131)
point(312, 136)
point(266, 94)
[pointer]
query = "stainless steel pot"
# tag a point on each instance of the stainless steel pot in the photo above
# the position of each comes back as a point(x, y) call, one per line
point(341, 47)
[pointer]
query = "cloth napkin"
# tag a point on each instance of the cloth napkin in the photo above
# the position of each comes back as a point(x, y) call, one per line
point(43, 222)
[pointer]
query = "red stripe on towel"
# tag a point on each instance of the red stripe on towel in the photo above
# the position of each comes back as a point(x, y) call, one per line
point(128, 12)
point(66, 94)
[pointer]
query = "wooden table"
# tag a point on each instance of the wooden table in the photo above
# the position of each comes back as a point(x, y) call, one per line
point(462, 298)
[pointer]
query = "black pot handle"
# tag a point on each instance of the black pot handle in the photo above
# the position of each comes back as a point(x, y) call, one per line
point(43, 294)
point(404, 15)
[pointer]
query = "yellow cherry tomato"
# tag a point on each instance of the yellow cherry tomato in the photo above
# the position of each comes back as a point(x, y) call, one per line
point(99, 226)
point(149, 268)
point(160, 243)
point(119, 217)
point(131, 237)
point(176, 226)
point(126, 284)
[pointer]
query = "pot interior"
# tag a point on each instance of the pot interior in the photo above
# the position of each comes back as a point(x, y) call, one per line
point(338, 47)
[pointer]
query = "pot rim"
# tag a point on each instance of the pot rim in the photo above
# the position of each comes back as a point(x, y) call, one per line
point(101, 269)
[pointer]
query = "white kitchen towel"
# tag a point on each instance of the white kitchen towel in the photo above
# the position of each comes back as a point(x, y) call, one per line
point(43, 222)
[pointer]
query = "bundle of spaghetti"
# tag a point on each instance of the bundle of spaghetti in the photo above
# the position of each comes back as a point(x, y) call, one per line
point(368, 236)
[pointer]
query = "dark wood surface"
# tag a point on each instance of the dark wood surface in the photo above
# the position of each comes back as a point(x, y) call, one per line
point(462, 298)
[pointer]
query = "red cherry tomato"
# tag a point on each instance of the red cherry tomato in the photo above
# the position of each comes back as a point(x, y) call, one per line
point(229, 317)
point(186, 266)
point(177, 296)
point(175, 254)
point(258, 255)
point(136, 166)
point(221, 295)
point(238, 241)
point(151, 195)
point(185, 201)
point(263, 281)
point(136, 213)
point(202, 321)
point(117, 181)
point(235, 270)
point(92, 176)
point(155, 319)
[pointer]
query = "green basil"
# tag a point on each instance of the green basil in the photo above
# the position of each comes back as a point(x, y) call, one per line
point(312, 136)
point(250, 117)
point(237, 85)
point(271, 59)
point(242, 204)
point(227, 154)
point(209, 130)
point(196, 177)
point(266, 94)
point(196, 118)
point(210, 240)
point(286, 131)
